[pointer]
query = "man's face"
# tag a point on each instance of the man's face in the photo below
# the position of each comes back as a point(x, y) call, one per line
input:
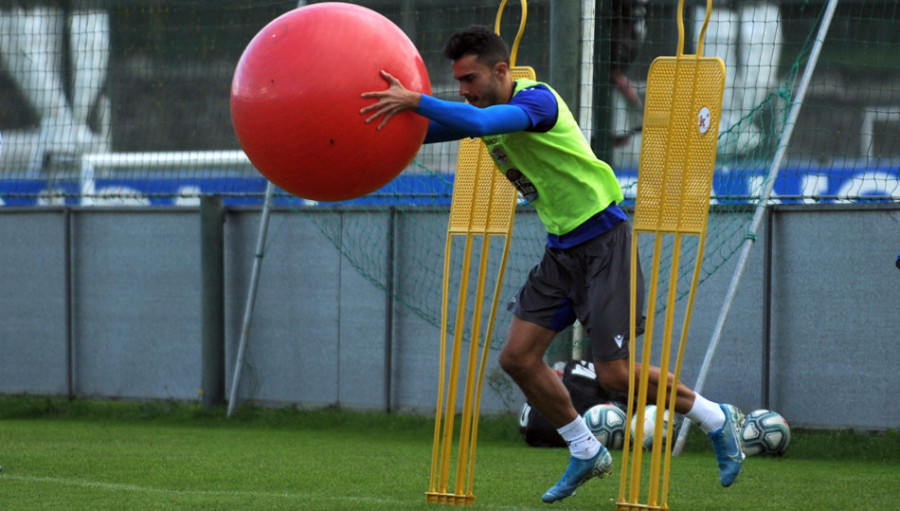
point(478, 83)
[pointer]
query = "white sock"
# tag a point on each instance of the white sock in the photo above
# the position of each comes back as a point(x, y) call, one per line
point(708, 415)
point(582, 443)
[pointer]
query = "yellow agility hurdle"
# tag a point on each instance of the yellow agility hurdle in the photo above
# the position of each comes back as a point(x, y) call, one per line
point(678, 151)
point(482, 208)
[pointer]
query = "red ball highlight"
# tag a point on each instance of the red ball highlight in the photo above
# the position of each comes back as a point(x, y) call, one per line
point(295, 101)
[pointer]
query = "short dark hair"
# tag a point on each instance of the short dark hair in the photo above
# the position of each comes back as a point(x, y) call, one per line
point(477, 40)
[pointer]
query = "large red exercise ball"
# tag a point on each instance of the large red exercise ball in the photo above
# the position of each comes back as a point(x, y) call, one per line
point(295, 101)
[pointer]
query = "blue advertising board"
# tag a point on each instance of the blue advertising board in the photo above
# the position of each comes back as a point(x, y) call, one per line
point(793, 185)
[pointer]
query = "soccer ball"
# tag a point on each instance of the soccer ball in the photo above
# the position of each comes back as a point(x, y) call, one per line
point(607, 422)
point(649, 425)
point(765, 432)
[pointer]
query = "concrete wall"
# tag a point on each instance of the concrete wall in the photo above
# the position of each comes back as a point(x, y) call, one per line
point(107, 302)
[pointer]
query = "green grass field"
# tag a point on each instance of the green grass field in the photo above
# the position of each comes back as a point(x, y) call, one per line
point(99, 455)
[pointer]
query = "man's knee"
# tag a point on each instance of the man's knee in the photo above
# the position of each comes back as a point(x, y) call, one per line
point(507, 361)
point(524, 348)
point(513, 361)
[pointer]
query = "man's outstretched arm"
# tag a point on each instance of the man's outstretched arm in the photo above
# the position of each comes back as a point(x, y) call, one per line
point(450, 120)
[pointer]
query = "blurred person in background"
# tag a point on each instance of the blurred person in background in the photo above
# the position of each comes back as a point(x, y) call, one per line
point(39, 40)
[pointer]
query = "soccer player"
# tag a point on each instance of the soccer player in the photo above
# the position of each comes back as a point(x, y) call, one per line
point(585, 270)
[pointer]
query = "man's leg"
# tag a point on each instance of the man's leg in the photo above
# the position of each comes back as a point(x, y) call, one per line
point(721, 422)
point(522, 358)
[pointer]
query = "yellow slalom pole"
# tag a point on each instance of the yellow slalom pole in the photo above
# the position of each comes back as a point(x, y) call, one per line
point(439, 416)
point(682, 109)
point(479, 385)
point(482, 208)
point(515, 46)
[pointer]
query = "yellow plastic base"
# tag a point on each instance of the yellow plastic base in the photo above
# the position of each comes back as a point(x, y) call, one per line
point(624, 506)
point(450, 499)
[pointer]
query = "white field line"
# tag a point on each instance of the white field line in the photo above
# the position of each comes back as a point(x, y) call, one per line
point(299, 496)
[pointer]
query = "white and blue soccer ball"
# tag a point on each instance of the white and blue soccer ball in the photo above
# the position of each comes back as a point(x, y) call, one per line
point(765, 433)
point(607, 422)
point(646, 432)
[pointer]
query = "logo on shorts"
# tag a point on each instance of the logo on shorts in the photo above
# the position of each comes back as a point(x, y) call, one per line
point(619, 339)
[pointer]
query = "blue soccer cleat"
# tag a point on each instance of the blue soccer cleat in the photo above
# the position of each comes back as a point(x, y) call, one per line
point(578, 472)
point(727, 445)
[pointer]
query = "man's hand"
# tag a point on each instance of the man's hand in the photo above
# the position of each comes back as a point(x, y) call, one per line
point(391, 101)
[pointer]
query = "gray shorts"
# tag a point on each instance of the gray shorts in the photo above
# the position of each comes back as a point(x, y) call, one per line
point(590, 282)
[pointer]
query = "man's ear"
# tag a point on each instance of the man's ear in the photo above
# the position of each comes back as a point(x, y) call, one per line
point(501, 69)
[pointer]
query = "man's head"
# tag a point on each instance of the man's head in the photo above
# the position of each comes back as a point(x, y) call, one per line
point(480, 41)
point(481, 65)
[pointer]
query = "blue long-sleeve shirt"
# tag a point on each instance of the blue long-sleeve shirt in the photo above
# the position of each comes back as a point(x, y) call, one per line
point(532, 110)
